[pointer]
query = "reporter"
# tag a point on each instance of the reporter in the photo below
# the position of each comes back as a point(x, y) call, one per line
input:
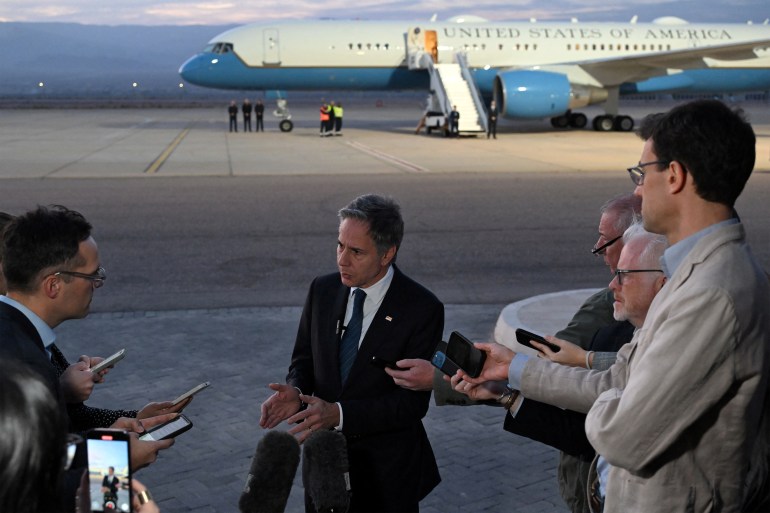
point(32, 447)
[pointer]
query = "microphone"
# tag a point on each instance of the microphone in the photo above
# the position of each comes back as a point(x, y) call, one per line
point(271, 475)
point(325, 471)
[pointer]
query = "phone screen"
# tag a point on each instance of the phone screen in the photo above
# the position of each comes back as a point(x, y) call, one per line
point(169, 429)
point(109, 472)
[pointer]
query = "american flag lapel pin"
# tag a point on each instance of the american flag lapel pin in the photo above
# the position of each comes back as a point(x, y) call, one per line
point(388, 318)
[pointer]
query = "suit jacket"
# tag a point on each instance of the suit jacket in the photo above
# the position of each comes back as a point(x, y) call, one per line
point(19, 340)
point(391, 460)
point(678, 413)
point(565, 429)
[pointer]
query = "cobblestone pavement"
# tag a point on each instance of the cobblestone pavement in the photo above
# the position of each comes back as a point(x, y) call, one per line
point(241, 350)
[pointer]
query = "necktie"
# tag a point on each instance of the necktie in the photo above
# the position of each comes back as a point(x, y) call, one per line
point(349, 343)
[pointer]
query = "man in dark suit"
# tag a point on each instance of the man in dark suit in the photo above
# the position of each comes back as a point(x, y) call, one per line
point(51, 267)
point(392, 466)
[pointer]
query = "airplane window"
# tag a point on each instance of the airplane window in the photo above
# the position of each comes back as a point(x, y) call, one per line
point(526, 46)
point(350, 45)
point(569, 46)
point(534, 46)
point(601, 47)
point(387, 45)
point(360, 46)
point(636, 47)
point(377, 46)
point(577, 46)
point(208, 49)
point(484, 46)
point(499, 47)
point(368, 46)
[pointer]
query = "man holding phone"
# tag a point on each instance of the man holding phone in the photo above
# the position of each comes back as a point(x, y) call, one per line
point(680, 417)
point(52, 268)
point(368, 309)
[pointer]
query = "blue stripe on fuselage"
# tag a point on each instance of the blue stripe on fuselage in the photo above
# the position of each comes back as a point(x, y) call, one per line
point(227, 71)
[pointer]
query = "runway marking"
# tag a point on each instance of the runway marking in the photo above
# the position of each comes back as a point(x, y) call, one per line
point(403, 164)
point(165, 154)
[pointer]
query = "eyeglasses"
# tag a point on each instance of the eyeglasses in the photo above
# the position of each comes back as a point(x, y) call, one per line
point(637, 172)
point(96, 279)
point(601, 249)
point(620, 272)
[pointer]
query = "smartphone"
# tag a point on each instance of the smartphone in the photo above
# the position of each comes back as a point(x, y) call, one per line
point(382, 363)
point(170, 429)
point(467, 356)
point(443, 363)
point(109, 470)
point(523, 337)
point(190, 392)
point(110, 360)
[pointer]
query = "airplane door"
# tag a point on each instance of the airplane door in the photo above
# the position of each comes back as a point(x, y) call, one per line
point(431, 44)
point(420, 41)
point(272, 48)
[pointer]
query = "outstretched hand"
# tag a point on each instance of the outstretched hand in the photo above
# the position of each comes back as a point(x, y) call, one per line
point(495, 365)
point(570, 354)
point(280, 406)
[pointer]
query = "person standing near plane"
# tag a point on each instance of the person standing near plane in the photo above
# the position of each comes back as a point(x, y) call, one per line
point(337, 118)
point(330, 123)
point(247, 115)
point(324, 119)
point(232, 110)
point(454, 122)
point(259, 113)
point(492, 120)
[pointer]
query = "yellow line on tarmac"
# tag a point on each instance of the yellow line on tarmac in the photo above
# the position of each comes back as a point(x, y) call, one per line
point(158, 162)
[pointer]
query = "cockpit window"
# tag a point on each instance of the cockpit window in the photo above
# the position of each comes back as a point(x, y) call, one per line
point(220, 48)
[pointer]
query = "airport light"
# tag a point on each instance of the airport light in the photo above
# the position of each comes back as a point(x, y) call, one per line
point(135, 85)
point(181, 85)
point(40, 84)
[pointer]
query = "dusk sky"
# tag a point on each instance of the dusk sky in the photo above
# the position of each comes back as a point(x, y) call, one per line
point(217, 12)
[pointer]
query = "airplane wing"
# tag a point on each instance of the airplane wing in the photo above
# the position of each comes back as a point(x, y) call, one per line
point(617, 70)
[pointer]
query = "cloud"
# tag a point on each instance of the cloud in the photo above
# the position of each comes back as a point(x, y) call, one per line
point(211, 12)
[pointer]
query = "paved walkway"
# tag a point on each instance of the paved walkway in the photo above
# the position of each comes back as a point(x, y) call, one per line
point(241, 350)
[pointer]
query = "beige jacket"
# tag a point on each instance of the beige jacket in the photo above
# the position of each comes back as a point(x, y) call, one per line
point(677, 415)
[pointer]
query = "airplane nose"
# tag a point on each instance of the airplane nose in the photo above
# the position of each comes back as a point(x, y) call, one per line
point(189, 69)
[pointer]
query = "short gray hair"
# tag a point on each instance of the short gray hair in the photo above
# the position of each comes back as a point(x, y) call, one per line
point(625, 207)
point(653, 249)
point(382, 214)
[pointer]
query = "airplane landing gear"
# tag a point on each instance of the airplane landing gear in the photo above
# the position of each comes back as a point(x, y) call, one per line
point(570, 119)
point(608, 123)
point(603, 123)
point(282, 111)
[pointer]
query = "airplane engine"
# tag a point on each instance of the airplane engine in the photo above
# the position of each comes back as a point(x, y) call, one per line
point(541, 94)
point(532, 94)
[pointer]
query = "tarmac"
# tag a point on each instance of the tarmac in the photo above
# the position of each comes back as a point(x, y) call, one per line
point(241, 350)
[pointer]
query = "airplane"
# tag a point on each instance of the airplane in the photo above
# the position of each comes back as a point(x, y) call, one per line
point(531, 69)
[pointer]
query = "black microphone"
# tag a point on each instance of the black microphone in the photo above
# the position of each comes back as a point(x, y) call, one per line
point(325, 471)
point(272, 474)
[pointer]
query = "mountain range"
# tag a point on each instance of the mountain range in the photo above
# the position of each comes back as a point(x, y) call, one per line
point(71, 59)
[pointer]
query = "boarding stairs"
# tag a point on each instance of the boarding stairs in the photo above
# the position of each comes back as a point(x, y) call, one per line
point(451, 84)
